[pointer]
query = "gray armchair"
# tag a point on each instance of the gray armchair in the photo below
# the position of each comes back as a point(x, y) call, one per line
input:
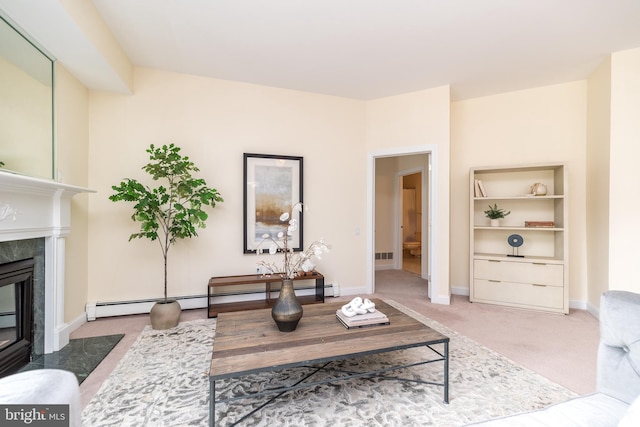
point(616, 401)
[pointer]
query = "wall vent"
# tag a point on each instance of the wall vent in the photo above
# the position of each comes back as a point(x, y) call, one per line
point(384, 255)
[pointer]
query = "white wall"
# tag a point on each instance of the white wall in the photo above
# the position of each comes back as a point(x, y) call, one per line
point(624, 204)
point(546, 124)
point(215, 122)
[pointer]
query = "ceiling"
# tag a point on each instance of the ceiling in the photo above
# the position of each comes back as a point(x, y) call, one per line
point(367, 49)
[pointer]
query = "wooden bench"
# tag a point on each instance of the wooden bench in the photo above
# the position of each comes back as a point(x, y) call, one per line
point(251, 280)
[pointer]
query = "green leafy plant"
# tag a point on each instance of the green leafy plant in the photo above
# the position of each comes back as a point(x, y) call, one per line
point(496, 213)
point(171, 211)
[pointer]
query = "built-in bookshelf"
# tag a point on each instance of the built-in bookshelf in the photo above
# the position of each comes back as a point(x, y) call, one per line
point(522, 262)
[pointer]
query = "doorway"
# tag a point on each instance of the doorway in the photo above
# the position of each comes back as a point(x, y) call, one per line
point(385, 193)
point(411, 224)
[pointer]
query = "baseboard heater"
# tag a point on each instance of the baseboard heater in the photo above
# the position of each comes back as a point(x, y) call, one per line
point(123, 308)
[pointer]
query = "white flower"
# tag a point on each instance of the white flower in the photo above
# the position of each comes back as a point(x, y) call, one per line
point(273, 248)
point(293, 262)
point(307, 265)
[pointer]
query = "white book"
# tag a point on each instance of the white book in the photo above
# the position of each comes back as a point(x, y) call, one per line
point(374, 318)
point(483, 192)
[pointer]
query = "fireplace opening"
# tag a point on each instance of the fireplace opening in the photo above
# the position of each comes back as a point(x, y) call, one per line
point(16, 315)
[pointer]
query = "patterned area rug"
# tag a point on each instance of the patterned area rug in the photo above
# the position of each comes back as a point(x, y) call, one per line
point(163, 381)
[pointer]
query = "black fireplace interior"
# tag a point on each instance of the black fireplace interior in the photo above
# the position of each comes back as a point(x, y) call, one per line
point(16, 315)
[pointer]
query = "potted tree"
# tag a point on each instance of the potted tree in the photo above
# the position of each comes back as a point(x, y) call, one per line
point(495, 214)
point(168, 212)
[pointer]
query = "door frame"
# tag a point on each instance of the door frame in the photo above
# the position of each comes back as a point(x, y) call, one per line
point(399, 223)
point(432, 210)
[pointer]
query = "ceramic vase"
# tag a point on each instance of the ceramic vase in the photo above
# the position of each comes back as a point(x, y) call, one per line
point(165, 315)
point(287, 310)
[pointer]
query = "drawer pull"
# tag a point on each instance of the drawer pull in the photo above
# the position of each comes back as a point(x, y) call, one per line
point(539, 285)
point(538, 263)
point(494, 281)
point(493, 260)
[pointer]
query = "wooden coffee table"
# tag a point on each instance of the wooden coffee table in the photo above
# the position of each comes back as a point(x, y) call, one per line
point(249, 342)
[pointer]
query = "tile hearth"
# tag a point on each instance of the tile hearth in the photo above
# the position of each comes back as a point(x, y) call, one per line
point(80, 356)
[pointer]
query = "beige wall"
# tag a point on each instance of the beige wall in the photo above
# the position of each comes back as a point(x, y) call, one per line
point(624, 227)
point(539, 125)
point(385, 200)
point(417, 121)
point(597, 181)
point(215, 122)
point(72, 136)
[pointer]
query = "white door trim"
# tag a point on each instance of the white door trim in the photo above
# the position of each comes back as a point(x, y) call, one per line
point(432, 193)
point(397, 216)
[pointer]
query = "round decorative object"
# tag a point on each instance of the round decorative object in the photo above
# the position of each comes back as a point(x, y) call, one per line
point(287, 310)
point(539, 189)
point(515, 240)
point(165, 315)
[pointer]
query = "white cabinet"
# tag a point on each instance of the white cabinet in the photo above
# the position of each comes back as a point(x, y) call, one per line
point(535, 274)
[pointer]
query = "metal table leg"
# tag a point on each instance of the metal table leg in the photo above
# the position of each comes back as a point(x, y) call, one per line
point(212, 403)
point(446, 371)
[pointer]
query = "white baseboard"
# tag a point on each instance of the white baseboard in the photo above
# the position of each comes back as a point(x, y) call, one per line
point(385, 266)
point(460, 291)
point(63, 332)
point(593, 310)
point(354, 291)
point(444, 300)
point(96, 310)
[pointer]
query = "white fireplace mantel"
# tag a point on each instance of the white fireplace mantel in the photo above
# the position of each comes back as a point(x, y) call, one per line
point(33, 208)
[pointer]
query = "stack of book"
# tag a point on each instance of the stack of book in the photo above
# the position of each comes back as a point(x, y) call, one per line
point(539, 224)
point(478, 189)
point(362, 320)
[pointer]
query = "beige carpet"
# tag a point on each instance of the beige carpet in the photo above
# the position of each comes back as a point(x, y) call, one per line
point(163, 381)
point(560, 347)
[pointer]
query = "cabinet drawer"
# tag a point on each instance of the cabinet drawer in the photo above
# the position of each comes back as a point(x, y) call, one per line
point(519, 272)
point(519, 294)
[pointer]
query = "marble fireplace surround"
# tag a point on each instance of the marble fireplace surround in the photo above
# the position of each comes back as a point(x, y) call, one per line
point(35, 218)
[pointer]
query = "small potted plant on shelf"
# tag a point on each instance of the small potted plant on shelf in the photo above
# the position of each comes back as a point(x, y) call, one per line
point(495, 214)
point(167, 212)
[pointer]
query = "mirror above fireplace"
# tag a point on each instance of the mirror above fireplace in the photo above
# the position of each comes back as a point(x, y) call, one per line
point(26, 104)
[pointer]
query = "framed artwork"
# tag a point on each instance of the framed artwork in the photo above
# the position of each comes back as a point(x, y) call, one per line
point(272, 184)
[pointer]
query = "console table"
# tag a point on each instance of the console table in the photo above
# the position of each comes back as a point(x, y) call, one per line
point(253, 279)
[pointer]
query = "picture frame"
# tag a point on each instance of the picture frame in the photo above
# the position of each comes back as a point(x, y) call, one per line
point(272, 185)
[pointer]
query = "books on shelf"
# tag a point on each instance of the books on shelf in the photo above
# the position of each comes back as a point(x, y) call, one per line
point(479, 190)
point(540, 224)
point(376, 318)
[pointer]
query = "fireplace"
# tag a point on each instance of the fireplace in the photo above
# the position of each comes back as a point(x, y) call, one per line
point(16, 315)
point(35, 218)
